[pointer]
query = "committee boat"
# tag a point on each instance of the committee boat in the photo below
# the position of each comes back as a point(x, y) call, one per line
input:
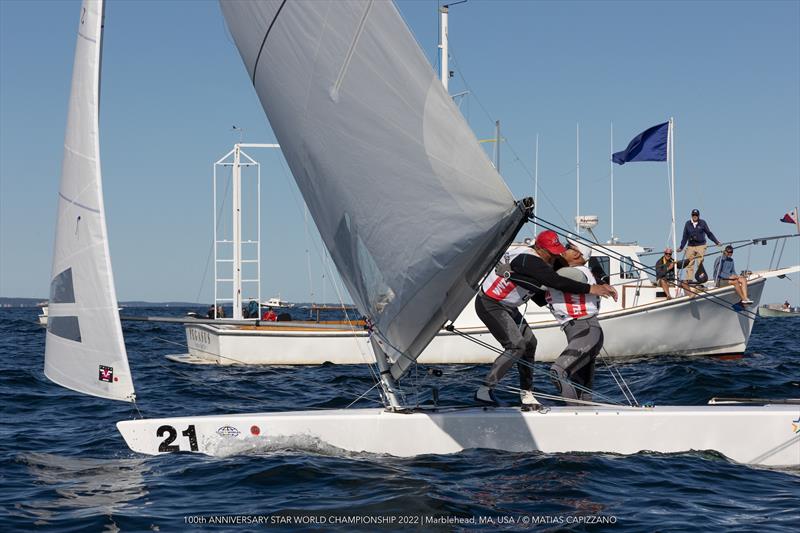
point(358, 74)
point(643, 322)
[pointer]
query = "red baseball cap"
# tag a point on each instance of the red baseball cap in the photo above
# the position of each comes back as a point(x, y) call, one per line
point(549, 241)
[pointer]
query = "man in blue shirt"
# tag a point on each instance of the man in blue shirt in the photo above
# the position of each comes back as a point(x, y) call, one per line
point(725, 274)
point(694, 233)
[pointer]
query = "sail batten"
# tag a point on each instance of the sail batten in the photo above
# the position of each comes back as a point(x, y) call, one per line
point(84, 348)
point(408, 204)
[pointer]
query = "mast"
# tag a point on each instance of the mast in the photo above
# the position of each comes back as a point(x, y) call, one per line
point(444, 73)
point(308, 256)
point(578, 178)
point(497, 145)
point(536, 187)
point(236, 212)
point(671, 157)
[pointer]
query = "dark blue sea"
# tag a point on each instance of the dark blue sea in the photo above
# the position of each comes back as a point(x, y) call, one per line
point(65, 467)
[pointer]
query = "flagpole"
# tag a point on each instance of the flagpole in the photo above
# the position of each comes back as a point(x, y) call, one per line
point(671, 155)
point(612, 183)
point(536, 188)
point(796, 220)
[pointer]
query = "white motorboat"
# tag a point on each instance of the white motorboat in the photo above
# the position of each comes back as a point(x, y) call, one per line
point(43, 316)
point(277, 303)
point(345, 55)
point(643, 322)
point(778, 310)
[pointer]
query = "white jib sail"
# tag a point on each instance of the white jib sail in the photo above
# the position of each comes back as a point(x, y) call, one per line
point(409, 206)
point(85, 350)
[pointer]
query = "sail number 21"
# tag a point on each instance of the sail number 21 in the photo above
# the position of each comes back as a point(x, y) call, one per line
point(172, 434)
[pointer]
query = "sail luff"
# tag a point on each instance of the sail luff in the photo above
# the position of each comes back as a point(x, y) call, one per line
point(406, 201)
point(84, 349)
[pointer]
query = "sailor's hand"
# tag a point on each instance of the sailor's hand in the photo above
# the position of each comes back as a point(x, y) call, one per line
point(503, 270)
point(604, 291)
point(680, 250)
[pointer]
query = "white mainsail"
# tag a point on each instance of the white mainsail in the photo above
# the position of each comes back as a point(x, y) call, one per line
point(409, 206)
point(85, 350)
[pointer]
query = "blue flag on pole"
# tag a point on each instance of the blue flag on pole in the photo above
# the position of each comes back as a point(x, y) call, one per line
point(650, 145)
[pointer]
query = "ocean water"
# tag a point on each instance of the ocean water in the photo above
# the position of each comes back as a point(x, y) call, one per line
point(65, 467)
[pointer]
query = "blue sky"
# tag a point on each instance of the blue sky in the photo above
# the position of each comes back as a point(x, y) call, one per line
point(173, 85)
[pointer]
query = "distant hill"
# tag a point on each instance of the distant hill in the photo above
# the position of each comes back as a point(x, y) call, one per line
point(21, 302)
point(160, 304)
point(33, 302)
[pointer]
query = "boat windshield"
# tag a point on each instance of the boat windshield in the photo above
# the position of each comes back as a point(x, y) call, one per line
point(627, 269)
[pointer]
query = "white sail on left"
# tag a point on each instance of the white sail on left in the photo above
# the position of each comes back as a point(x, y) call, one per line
point(85, 350)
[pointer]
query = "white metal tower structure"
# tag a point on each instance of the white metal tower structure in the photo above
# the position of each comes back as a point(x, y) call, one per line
point(230, 248)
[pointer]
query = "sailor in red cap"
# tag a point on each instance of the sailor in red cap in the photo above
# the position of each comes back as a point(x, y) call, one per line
point(522, 274)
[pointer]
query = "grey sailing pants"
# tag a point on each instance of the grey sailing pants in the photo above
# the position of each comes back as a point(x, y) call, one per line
point(508, 326)
point(575, 365)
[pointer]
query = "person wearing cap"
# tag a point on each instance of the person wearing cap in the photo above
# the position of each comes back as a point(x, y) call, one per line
point(521, 275)
point(665, 273)
point(725, 274)
point(694, 233)
point(573, 370)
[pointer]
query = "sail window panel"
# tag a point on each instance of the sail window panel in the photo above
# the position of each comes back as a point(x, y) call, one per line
point(66, 327)
point(62, 290)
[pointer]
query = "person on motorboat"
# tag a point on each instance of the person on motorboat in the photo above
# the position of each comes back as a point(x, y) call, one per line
point(725, 274)
point(665, 273)
point(573, 370)
point(270, 315)
point(695, 232)
point(522, 274)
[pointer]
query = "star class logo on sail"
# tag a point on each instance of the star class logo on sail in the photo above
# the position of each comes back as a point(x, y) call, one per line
point(107, 374)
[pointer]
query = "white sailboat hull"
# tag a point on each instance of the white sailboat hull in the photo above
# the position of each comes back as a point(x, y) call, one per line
point(683, 326)
point(727, 429)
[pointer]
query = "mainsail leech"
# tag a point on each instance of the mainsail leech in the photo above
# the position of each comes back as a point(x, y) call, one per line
point(84, 349)
point(406, 201)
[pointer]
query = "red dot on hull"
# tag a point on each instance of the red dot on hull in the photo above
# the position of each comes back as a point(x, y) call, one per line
point(255, 430)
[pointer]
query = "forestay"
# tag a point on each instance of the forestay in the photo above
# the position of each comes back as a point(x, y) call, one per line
point(84, 348)
point(410, 208)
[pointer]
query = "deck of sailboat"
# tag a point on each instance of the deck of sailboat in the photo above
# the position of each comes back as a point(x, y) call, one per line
point(337, 325)
point(600, 429)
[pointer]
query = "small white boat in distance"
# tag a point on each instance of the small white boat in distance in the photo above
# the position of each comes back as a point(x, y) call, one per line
point(276, 303)
point(778, 310)
point(43, 316)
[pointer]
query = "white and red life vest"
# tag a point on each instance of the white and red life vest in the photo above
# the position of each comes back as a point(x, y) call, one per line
point(504, 290)
point(566, 306)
